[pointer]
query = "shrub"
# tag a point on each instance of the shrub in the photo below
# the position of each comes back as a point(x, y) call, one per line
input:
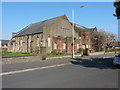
point(56, 53)
point(111, 50)
point(80, 50)
point(5, 53)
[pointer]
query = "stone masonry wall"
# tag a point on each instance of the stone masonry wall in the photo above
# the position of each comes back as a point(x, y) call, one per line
point(20, 59)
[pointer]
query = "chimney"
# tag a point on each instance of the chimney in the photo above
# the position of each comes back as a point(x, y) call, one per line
point(13, 34)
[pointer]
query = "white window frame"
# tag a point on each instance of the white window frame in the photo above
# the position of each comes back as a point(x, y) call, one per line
point(83, 46)
point(49, 41)
point(77, 46)
point(55, 45)
point(64, 45)
point(87, 46)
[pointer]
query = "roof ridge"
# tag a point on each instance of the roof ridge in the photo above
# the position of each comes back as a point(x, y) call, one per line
point(84, 26)
point(37, 23)
point(49, 19)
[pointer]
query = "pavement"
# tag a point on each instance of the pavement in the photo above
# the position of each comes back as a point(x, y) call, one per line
point(84, 72)
point(46, 63)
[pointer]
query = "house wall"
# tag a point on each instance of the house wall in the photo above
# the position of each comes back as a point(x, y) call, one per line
point(27, 43)
point(58, 33)
point(62, 28)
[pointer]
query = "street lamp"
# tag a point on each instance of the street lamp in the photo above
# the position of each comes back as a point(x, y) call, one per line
point(73, 52)
point(73, 49)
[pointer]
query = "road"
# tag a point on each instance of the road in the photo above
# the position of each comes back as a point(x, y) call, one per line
point(85, 72)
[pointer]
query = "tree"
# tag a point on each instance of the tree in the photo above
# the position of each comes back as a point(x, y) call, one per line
point(101, 40)
point(117, 10)
point(97, 38)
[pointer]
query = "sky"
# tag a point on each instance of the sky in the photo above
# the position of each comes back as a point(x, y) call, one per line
point(17, 15)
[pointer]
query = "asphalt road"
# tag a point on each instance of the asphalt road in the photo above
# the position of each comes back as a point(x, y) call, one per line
point(87, 72)
point(27, 65)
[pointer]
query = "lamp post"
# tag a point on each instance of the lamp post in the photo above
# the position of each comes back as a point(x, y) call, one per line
point(73, 49)
point(119, 23)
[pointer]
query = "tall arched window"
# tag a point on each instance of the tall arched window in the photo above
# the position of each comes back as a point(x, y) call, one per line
point(64, 45)
point(77, 46)
point(55, 45)
point(29, 41)
point(21, 42)
point(37, 41)
point(49, 41)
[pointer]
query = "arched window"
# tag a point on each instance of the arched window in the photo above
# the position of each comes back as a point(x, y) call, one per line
point(21, 42)
point(37, 41)
point(55, 45)
point(49, 41)
point(64, 45)
point(77, 46)
point(29, 41)
point(87, 46)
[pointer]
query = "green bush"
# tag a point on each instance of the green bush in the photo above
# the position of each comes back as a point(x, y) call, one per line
point(90, 51)
point(80, 50)
point(36, 50)
point(56, 53)
point(112, 50)
point(5, 53)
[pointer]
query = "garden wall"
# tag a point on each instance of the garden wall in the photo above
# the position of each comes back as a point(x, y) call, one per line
point(20, 59)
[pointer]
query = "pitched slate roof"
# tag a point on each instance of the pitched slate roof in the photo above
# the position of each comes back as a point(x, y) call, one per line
point(79, 28)
point(4, 42)
point(37, 27)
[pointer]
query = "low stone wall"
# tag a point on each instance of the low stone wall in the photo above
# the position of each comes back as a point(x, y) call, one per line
point(33, 58)
point(64, 56)
point(3, 49)
point(30, 58)
point(96, 53)
point(20, 59)
point(99, 53)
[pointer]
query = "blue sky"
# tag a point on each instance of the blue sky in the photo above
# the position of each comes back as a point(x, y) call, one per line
point(16, 16)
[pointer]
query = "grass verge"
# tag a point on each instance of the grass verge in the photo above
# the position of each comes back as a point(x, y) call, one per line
point(112, 50)
point(5, 53)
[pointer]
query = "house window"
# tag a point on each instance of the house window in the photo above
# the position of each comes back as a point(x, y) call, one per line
point(38, 41)
point(84, 36)
point(55, 45)
point(21, 42)
point(49, 41)
point(64, 45)
point(29, 41)
point(77, 46)
point(41, 42)
point(79, 34)
point(87, 46)
point(83, 46)
point(41, 36)
point(79, 37)
point(64, 31)
point(13, 46)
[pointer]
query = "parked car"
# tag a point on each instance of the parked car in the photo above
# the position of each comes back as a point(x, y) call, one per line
point(116, 61)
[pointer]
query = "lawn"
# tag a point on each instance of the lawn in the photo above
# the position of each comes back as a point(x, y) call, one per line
point(112, 50)
point(5, 53)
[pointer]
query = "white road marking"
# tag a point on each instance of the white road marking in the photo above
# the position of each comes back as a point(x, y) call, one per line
point(33, 69)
